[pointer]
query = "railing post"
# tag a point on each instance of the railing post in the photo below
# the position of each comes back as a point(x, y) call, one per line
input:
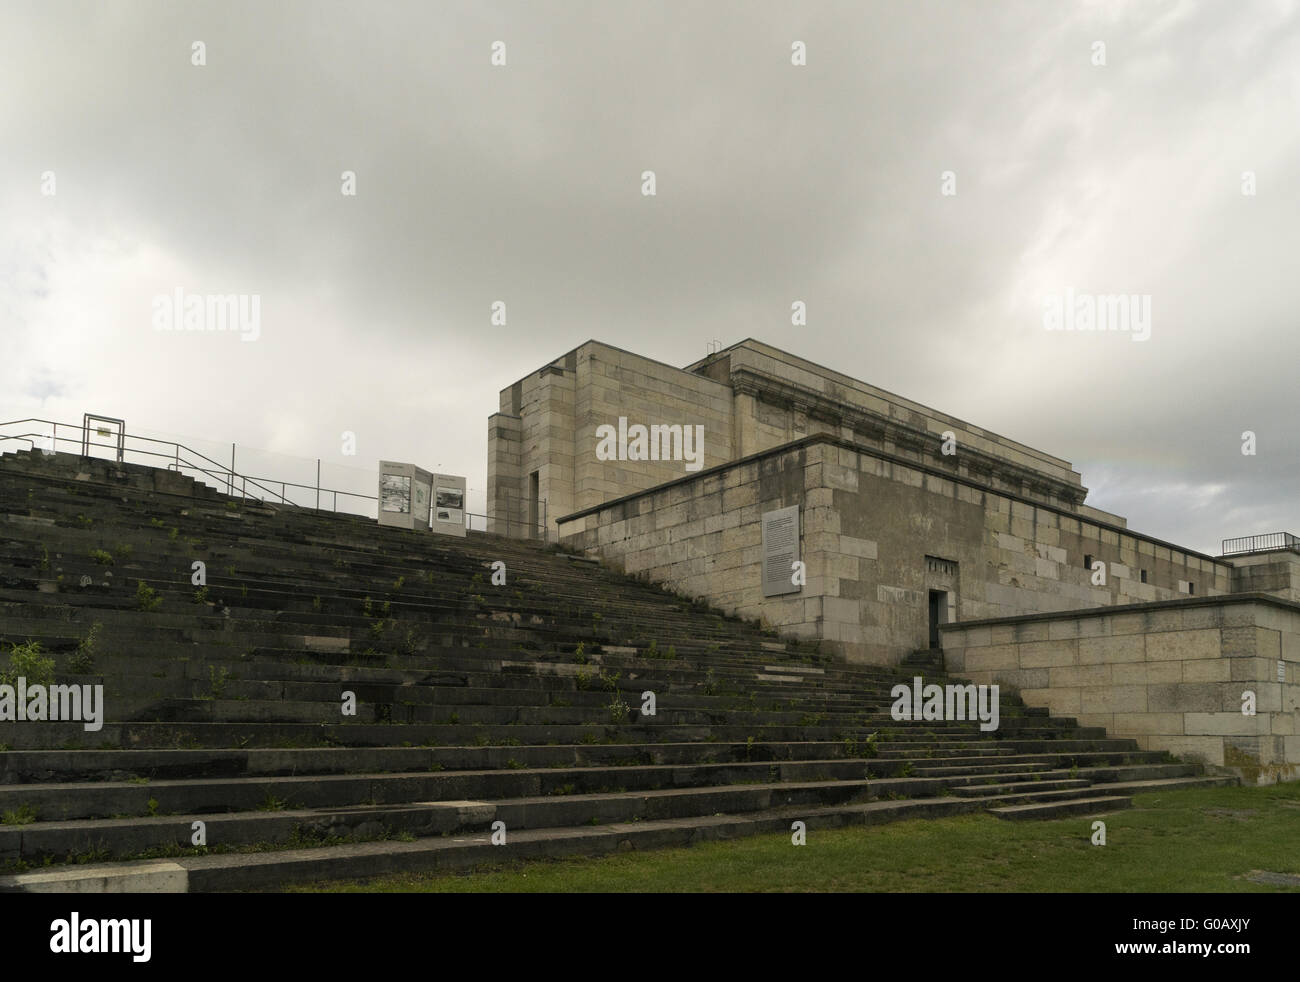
point(318, 484)
point(231, 482)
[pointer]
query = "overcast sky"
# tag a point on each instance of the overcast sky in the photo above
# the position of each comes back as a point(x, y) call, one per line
point(775, 183)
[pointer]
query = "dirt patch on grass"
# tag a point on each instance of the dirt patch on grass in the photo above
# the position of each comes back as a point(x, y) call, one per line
point(1240, 814)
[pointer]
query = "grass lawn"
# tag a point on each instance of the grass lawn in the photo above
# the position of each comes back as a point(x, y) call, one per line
point(1200, 840)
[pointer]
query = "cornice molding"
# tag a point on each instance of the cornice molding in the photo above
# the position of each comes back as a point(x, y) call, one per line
point(881, 429)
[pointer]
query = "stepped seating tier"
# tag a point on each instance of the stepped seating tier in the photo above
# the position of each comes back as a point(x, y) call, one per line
point(475, 703)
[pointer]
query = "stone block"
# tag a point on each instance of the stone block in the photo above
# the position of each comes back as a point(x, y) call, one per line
point(1206, 670)
point(1115, 699)
point(1183, 645)
point(1127, 648)
point(1048, 654)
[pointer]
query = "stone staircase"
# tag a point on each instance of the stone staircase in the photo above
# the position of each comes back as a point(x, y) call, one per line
point(475, 704)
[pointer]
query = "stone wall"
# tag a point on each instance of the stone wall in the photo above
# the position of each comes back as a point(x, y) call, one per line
point(611, 384)
point(749, 398)
point(781, 397)
point(1001, 556)
point(1170, 675)
point(702, 536)
point(878, 534)
point(1276, 572)
point(548, 424)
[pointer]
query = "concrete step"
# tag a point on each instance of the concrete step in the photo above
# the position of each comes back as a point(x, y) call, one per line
point(1095, 805)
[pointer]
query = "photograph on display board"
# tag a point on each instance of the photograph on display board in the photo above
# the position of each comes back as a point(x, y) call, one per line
point(450, 504)
point(395, 493)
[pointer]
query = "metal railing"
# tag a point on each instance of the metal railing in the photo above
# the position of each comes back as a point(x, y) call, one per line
point(502, 526)
point(179, 458)
point(182, 459)
point(1268, 542)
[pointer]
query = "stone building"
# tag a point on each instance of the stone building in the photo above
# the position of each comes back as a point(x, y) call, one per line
point(783, 490)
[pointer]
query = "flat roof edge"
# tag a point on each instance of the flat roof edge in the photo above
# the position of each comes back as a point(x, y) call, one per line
point(1152, 605)
point(903, 462)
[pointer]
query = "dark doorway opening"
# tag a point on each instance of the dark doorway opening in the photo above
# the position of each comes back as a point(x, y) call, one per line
point(938, 614)
point(534, 501)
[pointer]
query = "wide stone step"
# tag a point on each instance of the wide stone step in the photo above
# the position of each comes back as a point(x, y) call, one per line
point(274, 870)
point(1002, 792)
point(1062, 809)
point(58, 766)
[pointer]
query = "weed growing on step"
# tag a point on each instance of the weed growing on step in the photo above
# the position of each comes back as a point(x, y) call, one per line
point(83, 662)
point(217, 679)
point(515, 765)
point(85, 522)
point(399, 583)
point(906, 770)
point(45, 558)
point(101, 557)
point(152, 806)
point(22, 815)
point(122, 550)
point(580, 653)
point(174, 534)
point(146, 598)
point(710, 683)
point(157, 523)
point(30, 662)
point(273, 804)
point(201, 595)
point(618, 710)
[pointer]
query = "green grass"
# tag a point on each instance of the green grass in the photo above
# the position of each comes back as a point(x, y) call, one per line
point(1200, 840)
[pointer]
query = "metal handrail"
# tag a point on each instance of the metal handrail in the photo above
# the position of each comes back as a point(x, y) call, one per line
point(1267, 542)
point(219, 473)
point(175, 455)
